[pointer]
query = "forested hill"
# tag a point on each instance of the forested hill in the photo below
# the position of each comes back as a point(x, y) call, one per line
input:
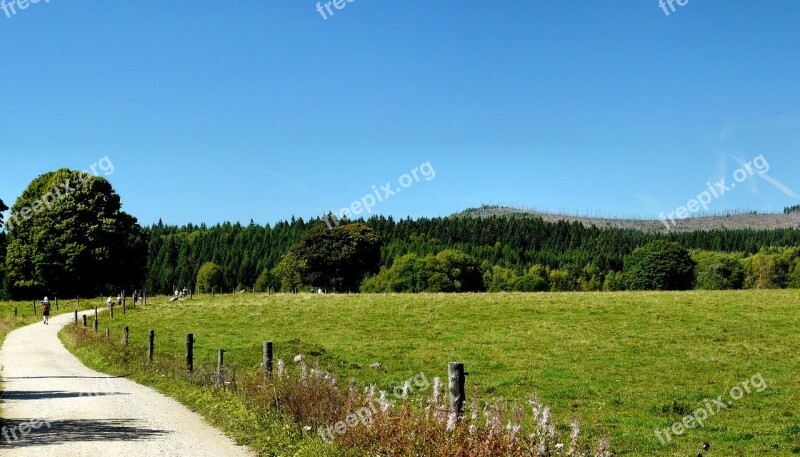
point(177, 253)
point(737, 220)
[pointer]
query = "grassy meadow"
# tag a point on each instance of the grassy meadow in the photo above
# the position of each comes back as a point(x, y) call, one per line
point(624, 363)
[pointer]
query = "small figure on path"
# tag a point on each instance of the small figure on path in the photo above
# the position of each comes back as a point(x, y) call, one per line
point(46, 310)
point(110, 301)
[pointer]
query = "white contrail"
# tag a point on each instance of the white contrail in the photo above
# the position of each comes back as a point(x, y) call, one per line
point(778, 184)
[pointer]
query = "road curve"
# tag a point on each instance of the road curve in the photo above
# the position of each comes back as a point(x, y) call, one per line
point(54, 405)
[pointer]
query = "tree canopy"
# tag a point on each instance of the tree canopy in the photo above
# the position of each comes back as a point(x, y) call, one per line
point(3, 207)
point(336, 259)
point(659, 265)
point(209, 278)
point(447, 271)
point(69, 236)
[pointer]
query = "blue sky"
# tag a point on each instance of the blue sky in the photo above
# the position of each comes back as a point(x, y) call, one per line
point(214, 111)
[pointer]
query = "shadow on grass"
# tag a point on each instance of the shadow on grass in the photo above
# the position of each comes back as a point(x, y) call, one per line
point(61, 431)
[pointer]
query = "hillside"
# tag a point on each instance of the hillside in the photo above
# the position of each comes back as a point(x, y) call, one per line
point(734, 221)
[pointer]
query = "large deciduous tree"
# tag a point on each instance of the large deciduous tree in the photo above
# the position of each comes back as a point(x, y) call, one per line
point(335, 259)
point(659, 265)
point(69, 236)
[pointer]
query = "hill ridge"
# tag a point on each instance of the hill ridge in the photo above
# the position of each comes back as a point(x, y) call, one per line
point(734, 220)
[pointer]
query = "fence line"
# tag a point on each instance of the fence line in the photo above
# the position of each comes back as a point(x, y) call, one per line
point(456, 374)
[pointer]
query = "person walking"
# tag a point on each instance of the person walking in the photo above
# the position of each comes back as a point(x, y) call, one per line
point(46, 310)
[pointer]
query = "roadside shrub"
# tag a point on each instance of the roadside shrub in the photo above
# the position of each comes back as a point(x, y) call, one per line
point(395, 424)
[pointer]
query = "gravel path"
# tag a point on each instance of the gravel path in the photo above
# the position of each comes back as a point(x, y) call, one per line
point(62, 408)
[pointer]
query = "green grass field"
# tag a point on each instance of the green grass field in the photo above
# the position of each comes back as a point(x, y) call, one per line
point(625, 363)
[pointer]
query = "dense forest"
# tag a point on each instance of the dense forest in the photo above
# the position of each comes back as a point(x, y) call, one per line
point(84, 244)
point(176, 254)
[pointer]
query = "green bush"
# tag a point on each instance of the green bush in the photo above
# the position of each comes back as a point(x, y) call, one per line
point(659, 265)
point(613, 282)
point(447, 271)
point(718, 271)
point(561, 281)
point(267, 281)
point(794, 275)
point(209, 278)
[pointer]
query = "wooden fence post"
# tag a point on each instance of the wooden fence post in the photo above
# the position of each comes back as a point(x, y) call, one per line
point(95, 319)
point(85, 324)
point(152, 347)
point(190, 352)
point(111, 307)
point(267, 359)
point(125, 332)
point(457, 378)
point(108, 334)
point(76, 318)
point(34, 307)
point(124, 310)
point(56, 303)
point(220, 366)
point(15, 312)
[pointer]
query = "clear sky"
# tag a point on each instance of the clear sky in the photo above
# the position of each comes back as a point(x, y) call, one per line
point(213, 111)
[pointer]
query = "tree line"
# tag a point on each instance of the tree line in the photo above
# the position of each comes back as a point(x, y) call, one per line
point(504, 253)
point(82, 243)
